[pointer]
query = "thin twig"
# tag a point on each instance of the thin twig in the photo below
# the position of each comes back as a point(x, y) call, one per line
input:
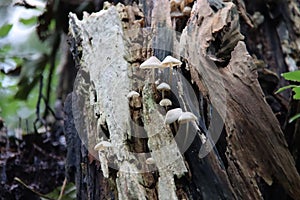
point(51, 110)
point(46, 154)
point(35, 192)
point(38, 116)
point(51, 70)
point(62, 191)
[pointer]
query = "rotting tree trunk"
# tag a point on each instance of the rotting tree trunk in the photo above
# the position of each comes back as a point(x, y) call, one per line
point(252, 154)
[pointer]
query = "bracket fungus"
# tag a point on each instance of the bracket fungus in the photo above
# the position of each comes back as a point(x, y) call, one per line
point(170, 62)
point(151, 63)
point(163, 87)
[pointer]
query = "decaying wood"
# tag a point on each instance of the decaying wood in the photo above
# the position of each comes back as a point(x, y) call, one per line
point(256, 145)
point(108, 83)
point(110, 51)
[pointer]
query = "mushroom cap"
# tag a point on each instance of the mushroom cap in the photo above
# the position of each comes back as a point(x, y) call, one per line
point(186, 117)
point(173, 115)
point(165, 102)
point(150, 63)
point(171, 61)
point(176, 14)
point(150, 161)
point(102, 145)
point(163, 86)
point(187, 10)
point(132, 94)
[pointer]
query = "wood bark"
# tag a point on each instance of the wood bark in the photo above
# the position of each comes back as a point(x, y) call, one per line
point(251, 159)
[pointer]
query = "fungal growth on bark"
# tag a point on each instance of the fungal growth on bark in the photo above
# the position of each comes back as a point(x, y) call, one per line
point(142, 143)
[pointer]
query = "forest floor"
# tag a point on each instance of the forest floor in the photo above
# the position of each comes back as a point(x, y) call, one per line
point(35, 164)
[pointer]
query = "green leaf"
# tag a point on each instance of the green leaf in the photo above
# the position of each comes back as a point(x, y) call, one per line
point(284, 88)
point(18, 60)
point(297, 93)
point(292, 76)
point(294, 118)
point(4, 30)
point(30, 74)
point(69, 194)
point(30, 21)
point(5, 48)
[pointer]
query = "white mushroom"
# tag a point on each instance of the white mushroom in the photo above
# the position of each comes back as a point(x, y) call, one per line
point(150, 161)
point(132, 94)
point(170, 62)
point(187, 117)
point(163, 87)
point(102, 145)
point(173, 115)
point(151, 63)
point(187, 11)
point(165, 103)
point(134, 100)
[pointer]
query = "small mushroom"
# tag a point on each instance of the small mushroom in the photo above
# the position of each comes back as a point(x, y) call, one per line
point(174, 16)
point(170, 62)
point(150, 161)
point(133, 97)
point(163, 87)
point(132, 94)
point(102, 145)
point(187, 11)
point(151, 63)
point(187, 117)
point(173, 115)
point(165, 103)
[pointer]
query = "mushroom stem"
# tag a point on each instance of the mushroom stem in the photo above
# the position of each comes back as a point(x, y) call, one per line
point(186, 134)
point(175, 127)
point(163, 94)
point(174, 23)
point(171, 74)
point(153, 75)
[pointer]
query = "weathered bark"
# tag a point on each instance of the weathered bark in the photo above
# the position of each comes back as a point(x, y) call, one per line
point(252, 153)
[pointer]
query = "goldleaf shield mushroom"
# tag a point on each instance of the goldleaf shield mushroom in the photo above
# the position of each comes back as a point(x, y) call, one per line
point(151, 63)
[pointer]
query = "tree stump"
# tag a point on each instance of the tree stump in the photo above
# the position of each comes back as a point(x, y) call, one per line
point(217, 82)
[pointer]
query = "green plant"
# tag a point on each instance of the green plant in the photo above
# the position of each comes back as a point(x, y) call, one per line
point(292, 76)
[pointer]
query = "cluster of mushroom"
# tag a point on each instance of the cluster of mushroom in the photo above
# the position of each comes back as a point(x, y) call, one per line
point(154, 63)
point(177, 114)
